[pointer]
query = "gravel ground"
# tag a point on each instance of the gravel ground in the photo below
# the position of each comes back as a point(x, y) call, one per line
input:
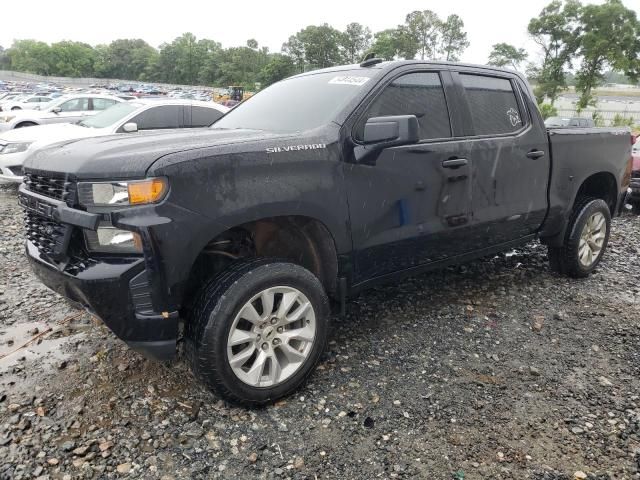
point(495, 369)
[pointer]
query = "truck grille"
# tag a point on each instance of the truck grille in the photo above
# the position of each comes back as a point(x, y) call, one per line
point(49, 186)
point(46, 234)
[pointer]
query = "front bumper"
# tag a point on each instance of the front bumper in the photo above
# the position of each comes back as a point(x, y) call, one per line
point(115, 289)
point(110, 290)
point(11, 166)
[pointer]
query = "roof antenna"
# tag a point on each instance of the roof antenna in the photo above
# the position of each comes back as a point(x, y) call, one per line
point(370, 59)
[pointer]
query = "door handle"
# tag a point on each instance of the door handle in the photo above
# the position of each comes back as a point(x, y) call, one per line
point(535, 154)
point(454, 163)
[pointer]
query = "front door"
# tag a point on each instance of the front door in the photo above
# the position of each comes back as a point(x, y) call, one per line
point(411, 205)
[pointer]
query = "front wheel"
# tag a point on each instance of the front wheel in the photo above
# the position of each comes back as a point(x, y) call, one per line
point(257, 331)
point(586, 239)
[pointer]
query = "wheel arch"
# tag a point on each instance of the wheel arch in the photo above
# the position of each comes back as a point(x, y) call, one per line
point(602, 185)
point(300, 239)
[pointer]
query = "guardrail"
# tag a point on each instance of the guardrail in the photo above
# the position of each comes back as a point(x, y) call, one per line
point(606, 115)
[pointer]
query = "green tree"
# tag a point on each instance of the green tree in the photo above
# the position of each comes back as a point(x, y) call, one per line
point(279, 67)
point(387, 44)
point(30, 56)
point(504, 54)
point(5, 61)
point(317, 46)
point(126, 58)
point(72, 59)
point(547, 110)
point(610, 38)
point(452, 39)
point(420, 34)
point(355, 41)
point(557, 31)
point(252, 43)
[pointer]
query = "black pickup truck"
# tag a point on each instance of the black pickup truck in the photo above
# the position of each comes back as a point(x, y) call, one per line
point(319, 186)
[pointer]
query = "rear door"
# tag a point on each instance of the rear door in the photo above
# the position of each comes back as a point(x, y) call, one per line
point(410, 205)
point(508, 149)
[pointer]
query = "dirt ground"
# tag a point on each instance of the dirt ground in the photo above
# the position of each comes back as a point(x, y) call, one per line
point(496, 369)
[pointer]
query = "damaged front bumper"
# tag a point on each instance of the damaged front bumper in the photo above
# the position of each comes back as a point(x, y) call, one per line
point(114, 288)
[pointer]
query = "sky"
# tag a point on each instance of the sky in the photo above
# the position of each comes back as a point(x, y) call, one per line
point(270, 22)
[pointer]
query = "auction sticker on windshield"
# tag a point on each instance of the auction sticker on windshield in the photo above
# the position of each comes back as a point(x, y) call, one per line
point(349, 80)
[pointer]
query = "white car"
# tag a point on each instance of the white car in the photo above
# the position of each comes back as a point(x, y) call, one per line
point(25, 103)
point(67, 109)
point(126, 117)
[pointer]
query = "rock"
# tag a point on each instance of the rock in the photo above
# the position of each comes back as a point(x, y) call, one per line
point(579, 475)
point(397, 403)
point(123, 468)
point(298, 463)
point(62, 365)
point(534, 371)
point(68, 446)
point(577, 430)
point(537, 323)
point(604, 381)
point(104, 446)
point(81, 451)
point(253, 457)
point(560, 316)
point(53, 461)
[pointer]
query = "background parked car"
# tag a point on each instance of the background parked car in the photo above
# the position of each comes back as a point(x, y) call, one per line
point(25, 103)
point(62, 110)
point(634, 197)
point(569, 122)
point(125, 117)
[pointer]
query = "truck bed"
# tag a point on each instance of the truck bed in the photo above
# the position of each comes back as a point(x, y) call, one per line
point(578, 154)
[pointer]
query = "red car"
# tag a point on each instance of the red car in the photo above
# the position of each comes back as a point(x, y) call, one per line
point(634, 197)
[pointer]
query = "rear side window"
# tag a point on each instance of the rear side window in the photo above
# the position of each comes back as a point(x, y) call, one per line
point(493, 105)
point(420, 94)
point(203, 117)
point(102, 103)
point(155, 118)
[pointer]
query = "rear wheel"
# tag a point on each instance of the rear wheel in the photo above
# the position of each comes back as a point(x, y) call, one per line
point(257, 331)
point(25, 124)
point(586, 239)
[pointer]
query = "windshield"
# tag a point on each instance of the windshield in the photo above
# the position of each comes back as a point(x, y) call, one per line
point(297, 104)
point(110, 116)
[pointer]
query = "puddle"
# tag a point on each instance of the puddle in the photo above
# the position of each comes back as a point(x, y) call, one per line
point(43, 353)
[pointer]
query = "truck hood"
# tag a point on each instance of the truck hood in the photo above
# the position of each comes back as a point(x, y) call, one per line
point(122, 156)
point(48, 134)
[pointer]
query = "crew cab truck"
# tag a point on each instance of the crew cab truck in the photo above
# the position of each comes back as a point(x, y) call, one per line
point(317, 187)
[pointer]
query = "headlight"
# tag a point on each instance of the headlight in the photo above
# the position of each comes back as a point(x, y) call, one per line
point(7, 118)
point(138, 192)
point(109, 239)
point(14, 147)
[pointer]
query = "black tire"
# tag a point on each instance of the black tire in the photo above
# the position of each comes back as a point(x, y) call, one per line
point(565, 259)
point(215, 308)
point(15, 108)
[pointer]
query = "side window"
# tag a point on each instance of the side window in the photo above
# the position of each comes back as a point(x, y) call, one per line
point(102, 103)
point(493, 105)
point(203, 117)
point(75, 105)
point(420, 94)
point(167, 116)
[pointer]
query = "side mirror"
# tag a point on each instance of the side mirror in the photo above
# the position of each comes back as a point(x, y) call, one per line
point(385, 132)
point(57, 110)
point(130, 127)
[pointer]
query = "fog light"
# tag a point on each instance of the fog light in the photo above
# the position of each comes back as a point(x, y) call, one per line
point(113, 240)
